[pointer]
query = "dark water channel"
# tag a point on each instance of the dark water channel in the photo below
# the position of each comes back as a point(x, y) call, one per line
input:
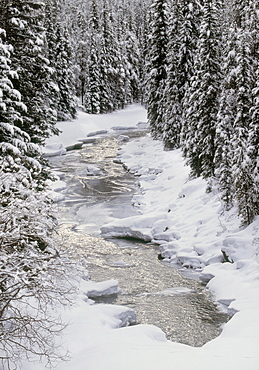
point(99, 189)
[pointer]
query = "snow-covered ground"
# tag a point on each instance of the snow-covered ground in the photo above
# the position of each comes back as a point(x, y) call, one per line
point(189, 225)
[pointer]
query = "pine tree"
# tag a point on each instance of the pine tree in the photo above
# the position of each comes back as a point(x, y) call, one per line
point(157, 66)
point(225, 120)
point(60, 56)
point(183, 35)
point(111, 65)
point(66, 107)
point(132, 66)
point(18, 161)
point(23, 21)
point(92, 97)
point(201, 100)
point(245, 131)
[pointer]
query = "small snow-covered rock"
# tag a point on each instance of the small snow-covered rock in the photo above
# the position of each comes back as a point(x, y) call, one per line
point(126, 232)
point(92, 170)
point(137, 227)
point(123, 138)
point(191, 260)
point(88, 140)
point(58, 185)
point(52, 150)
point(237, 247)
point(100, 289)
point(168, 250)
point(56, 197)
point(127, 317)
point(74, 146)
point(143, 125)
point(205, 277)
point(123, 128)
point(167, 236)
point(117, 160)
point(98, 132)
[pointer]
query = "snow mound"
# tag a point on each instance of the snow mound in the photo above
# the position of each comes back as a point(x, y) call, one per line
point(98, 132)
point(126, 317)
point(123, 128)
point(100, 289)
point(92, 170)
point(137, 227)
point(143, 125)
point(123, 138)
point(58, 185)
point(74, 146)
point(55, 197)
point(52, 150)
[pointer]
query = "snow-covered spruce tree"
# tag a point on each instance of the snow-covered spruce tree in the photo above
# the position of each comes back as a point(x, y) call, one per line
point(225, 119)
point(81, 68)
point(132, 63)
point(201, 99)
point(143, 27)
point(23, 21)
point(244, 131)
point(183, 35)
point(14, 141)
point(157, 73)
point(92, 95)
point(252, 162)
point(60, 56)
point(127, 29)
point(31, 269)
point(111, 64)
point(66, 105)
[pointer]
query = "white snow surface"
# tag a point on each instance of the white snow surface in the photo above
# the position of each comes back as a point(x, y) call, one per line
point(192, 229)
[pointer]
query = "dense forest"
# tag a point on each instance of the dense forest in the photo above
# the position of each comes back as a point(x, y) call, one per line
point(194, 64)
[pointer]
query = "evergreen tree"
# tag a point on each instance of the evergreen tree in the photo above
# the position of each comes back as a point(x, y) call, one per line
point(244, 135)
point(92, 98)
point(60, 56)
point(132, 65)
point(201, 100)
point(66, 107)
point(225, 120)
point(23, 21)
point(157, 66)
point(183, 35)
point(18, 155)
point(111, 65)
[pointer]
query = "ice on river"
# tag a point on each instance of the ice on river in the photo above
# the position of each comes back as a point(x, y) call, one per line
point(194, 231)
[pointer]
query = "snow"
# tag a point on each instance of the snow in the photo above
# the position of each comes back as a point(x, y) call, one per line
point(51, 150)
point(132, 227)
point(102, 288)
point(191, 228)
point(87, 126)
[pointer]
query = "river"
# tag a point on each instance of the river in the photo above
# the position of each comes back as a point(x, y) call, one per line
point(98, 189)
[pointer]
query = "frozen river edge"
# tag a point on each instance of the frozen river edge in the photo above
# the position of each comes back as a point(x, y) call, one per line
point(192, 230)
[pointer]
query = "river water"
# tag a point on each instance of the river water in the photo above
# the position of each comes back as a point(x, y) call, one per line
point(98, 189)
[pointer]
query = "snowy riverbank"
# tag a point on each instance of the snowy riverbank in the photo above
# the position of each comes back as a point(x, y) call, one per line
point(190, 227)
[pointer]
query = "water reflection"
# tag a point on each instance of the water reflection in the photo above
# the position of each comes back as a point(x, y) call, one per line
point(186, 314)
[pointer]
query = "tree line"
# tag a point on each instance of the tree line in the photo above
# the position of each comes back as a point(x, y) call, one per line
point(202, 92)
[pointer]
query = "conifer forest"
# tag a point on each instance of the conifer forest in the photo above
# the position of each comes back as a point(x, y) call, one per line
point(194, 65)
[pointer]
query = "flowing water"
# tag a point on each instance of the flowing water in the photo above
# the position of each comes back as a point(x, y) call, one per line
point(158, 293)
